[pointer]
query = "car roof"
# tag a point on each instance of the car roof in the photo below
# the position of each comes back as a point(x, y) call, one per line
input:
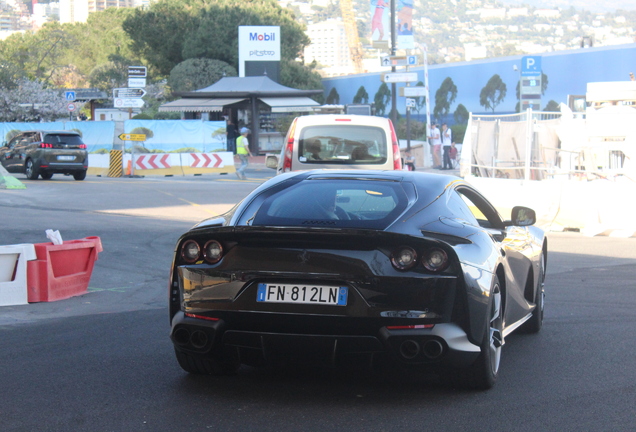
point(350, 119)
point(51, 131)
point(394, 175)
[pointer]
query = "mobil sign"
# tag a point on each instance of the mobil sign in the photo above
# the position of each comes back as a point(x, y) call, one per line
point(258, 43)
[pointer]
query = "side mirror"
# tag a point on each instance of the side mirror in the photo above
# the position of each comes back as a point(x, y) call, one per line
point(522, 216)
point(271, 161)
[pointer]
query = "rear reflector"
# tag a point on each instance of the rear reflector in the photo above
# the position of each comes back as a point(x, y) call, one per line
point(411, 327)
point(343, 120)
point(189, 315)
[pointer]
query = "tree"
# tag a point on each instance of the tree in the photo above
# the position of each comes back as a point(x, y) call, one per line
point(493, 93)
point(195, 74)
point(99, 38)
point(37, 54)
point(461, 114)
point(333, 98)
point(110, 75)
point(381, 99)
point(552, 106)
point(296, 75)
point(361, 96)
point(171, 31)
point(31, 101)
point(444, 97)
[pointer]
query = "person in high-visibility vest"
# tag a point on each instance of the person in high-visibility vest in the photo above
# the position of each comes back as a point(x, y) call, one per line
point(243, 151)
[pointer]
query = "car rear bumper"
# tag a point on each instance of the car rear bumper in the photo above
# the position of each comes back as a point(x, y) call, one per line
point(445, 342)
point(63, 167)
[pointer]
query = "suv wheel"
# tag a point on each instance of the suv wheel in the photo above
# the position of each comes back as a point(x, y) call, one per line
point(46, 176)
point(30, 170)
point(80, 175)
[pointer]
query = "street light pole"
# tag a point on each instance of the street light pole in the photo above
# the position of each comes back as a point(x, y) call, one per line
point(393, 114)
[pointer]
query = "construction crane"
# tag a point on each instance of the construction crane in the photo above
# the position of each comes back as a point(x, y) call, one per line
point(351, 30)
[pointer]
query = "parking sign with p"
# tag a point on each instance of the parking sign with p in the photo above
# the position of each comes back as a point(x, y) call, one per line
point(530, 65)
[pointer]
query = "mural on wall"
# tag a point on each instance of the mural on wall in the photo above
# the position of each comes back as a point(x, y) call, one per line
point(162, 136)
point(569, 73)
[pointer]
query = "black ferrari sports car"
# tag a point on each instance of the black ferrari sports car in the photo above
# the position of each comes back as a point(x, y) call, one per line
point(330, 267)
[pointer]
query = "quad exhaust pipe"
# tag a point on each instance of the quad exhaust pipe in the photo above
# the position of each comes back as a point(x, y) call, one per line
point(196, 339)
point(432, 349)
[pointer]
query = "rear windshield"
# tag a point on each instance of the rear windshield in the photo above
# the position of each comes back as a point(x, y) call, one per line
point(69, 139)
point(342, 144)
point(334, 203)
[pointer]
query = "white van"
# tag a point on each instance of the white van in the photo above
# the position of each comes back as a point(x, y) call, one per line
point(338, 142)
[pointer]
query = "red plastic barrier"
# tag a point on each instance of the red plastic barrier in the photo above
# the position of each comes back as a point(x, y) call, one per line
point(61, 271)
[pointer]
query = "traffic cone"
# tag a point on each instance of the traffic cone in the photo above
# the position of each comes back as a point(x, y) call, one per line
point(129, 168)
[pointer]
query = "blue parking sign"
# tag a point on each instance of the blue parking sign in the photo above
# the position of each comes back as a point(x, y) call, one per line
point(531, 65)
point(69, 96)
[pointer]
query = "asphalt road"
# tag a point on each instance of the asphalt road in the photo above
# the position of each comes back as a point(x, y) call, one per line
point(103, 361)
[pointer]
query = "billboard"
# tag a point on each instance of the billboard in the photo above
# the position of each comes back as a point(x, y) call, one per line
point(380, 23)
point(258, 43)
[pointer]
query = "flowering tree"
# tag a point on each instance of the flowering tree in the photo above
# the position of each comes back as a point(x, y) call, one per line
point(30, 101)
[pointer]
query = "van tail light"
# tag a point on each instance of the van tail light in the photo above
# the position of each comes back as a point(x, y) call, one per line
point(289, 149)
point(397, 157)
point(82, 146)
point(46, 145)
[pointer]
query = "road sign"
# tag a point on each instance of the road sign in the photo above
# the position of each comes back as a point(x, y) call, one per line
point(531, 65)
point(410, 103)
point(394, 61)
point(71, 106)
point(137, 71)
point(416, 91)
point(136, 82)
point(69, 95)
point(411, 60)
point(128, 102)
point(132, 137)
point(399, 77)
point(128, 93)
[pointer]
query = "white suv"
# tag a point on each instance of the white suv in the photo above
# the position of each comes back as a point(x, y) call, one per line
point(338, 142)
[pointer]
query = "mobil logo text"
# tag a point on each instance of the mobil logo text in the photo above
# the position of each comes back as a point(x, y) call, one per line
point(265, 37)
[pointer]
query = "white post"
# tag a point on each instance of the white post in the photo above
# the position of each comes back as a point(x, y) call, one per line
point(529, 137)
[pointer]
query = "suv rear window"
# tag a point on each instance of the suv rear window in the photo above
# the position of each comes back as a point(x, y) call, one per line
point(342, 144)
point(334, 203)
point(69, 139)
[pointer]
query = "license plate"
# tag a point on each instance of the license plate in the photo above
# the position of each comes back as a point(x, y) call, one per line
point(66, 158)
point(302, 294)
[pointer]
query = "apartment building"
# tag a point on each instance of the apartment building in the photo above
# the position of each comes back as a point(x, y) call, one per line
point(329, 47)
point(72, 11)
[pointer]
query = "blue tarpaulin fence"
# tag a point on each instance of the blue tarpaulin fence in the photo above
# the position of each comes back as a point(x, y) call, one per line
point(161, 135)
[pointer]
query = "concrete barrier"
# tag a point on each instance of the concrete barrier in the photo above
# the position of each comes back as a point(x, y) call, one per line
point(165, 164)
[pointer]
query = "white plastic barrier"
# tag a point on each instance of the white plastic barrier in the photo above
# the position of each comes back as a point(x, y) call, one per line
point(13, 273)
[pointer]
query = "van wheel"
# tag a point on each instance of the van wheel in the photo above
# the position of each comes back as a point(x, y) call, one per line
point(30, 170)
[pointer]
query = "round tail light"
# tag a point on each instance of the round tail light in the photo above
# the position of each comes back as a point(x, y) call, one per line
point(435, 260)
point(213, 251)
point(190, 251)
point(404, 258)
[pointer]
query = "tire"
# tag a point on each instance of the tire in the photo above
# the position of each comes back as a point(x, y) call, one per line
point(30, 170)
point(205, 365)
point(80, 175)
point(483, 374)
point(46, 176)
point(534, 324)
